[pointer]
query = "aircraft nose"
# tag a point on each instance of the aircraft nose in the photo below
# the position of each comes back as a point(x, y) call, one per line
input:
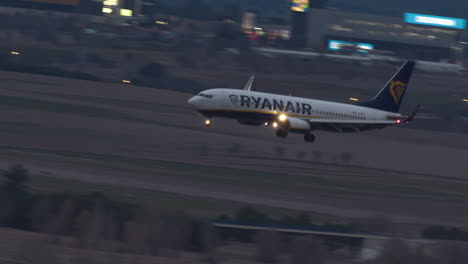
point(192, 101)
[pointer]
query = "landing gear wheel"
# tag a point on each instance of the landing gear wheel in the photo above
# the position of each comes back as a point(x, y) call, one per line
point(208, 123)
point(309, 138)
point(282, 133)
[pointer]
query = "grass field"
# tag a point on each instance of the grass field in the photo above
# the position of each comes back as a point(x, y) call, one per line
point(148, 146)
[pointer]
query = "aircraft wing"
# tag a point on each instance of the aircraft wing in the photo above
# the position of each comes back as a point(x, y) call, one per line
point(343, 126)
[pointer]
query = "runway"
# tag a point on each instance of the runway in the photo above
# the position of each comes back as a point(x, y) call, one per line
point(151, 139)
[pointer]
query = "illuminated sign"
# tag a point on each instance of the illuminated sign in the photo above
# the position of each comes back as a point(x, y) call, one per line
point(436, 21)
point(107, 10)
point(111, 3)
point(126, 12)
point(300, 5)
point(248, 20)
point(337, 45)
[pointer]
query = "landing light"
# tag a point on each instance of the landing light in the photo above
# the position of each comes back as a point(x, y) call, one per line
point(354, 99)
point(465, 100)
point(15, 53)
point(126, 81)
point(275, 125)
point(207, 122)
point(398, 121)
point(266, 124)
point(282, 117)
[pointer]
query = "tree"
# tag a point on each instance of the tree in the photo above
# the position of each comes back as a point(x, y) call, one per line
point(302, 219)
point(249, 214)
point(144, 234)
point(15, 200)
point(81, 223)
point(396, 251)
point(15, 178)
point(95, 227)
point(111, 228)
point(40, 214)
point(378, 224)
point(62, 224)
point(36, 252)
point(209, 242)
point(136, 236)
point(453, 253)
point(307, 250)
point(440, 232)
point(268, 246)
point(177, 230)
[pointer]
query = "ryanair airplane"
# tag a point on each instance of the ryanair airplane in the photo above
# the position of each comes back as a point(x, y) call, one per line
point(288, 114)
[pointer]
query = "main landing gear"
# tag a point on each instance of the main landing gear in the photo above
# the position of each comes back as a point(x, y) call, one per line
point(309, 137)
point(282, 132)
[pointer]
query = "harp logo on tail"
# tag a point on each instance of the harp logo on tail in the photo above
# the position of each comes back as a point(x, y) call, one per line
point(397, 89)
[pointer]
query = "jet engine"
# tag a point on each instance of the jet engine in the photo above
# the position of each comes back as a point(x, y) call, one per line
point(291, 124)
point(296, 124)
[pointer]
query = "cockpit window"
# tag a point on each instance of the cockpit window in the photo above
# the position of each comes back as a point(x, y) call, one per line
point(209, 96)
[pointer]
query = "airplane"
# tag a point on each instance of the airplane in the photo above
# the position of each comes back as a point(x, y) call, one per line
point(289, 114)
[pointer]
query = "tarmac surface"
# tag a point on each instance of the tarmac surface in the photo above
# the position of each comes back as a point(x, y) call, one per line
point(151, 139)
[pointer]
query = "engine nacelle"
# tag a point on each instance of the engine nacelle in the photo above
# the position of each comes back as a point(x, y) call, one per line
point(298, 125)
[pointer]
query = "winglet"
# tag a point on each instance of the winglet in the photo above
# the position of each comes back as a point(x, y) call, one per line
point(413, 114)
point(248, 86)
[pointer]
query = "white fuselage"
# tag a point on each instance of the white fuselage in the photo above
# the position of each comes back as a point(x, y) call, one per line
point(238, 104)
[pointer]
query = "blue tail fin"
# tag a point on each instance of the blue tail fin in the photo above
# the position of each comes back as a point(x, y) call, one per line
point(390, 97)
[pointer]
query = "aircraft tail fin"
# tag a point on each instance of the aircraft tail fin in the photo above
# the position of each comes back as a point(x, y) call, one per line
point(390, 97)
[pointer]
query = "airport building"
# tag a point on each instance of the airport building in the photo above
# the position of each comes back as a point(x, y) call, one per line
point(68, 6)
point(124, 8)
point(413, 36)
